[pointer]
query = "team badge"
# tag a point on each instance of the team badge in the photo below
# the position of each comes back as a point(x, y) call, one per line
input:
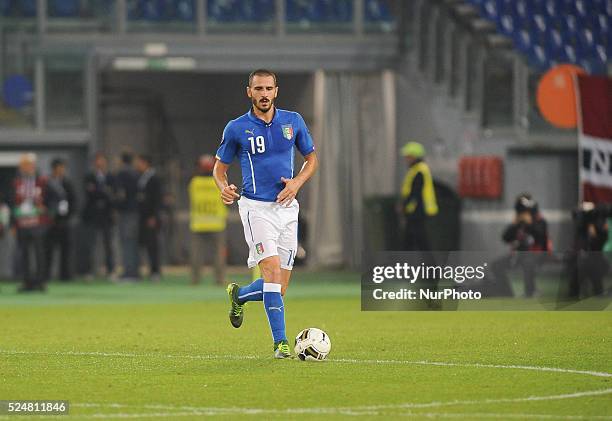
point(259, 247)
point(288, 131)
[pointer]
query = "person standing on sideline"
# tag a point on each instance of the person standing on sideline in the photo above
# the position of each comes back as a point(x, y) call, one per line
point(528, 239)
point(418, 198)
point(29, 220)
point(208, 218)
point(264, 140)
point(61, 200)
point(127, 207)
point(149, 198)
point(98, 213)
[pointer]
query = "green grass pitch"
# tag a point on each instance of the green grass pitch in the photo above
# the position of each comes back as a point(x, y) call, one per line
point(167, 351)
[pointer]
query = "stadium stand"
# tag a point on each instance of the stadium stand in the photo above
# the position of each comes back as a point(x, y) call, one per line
point(319, 11)
point(549, 32)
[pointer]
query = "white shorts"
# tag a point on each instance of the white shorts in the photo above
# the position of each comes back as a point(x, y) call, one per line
point(270, 229)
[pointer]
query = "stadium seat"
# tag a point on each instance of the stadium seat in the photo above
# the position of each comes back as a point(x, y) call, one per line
point(258, 10)
point(224, 10)
point(506, 25)
point(537, 58)
point(17, 91)
point(548, 32)
point(64, 8)
point(377, 11)
point(554, 44)
point(184, 10)
point(161, 10)
point(6, 7)
point(329, 11)
point(27, 8)
point(522, 41)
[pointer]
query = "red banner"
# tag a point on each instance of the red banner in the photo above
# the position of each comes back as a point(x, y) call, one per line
point(595, 137)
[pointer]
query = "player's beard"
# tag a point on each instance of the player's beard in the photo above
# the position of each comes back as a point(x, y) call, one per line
point(258, 106)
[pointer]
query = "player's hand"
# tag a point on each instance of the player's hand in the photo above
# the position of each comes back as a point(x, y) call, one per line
point(229, 195)
point(286, 196)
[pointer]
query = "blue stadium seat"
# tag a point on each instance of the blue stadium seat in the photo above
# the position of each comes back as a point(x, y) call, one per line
point(522, 40)
point(6, 7)
point(377, 11)
point(17, 91)
point(569, 54)
point(27, 8)
point(184, 10)
point(258, 10)
point(64, 8)
point(600, 24)
point(296, 10)
point(552, 8)
point(586, 41)
point(554, 44)
point(537, 58)
point(224, 10)
point(333, 11)
point(548, 32)
point(522, 10)
point(582, 8)
point(330, 11)
point(161, 10)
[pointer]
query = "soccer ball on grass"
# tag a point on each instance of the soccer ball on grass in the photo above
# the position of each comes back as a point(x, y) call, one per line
point(312, 344)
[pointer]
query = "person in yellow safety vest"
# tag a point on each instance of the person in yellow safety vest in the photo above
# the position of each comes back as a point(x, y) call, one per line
point(208, 220)
point(418, 198)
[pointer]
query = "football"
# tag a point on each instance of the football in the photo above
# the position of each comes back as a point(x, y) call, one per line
point(312, 344)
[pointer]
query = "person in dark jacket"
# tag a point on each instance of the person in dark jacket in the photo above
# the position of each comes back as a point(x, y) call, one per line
point(61, 201)
point(127, 207)
point(149, 208)
point(98, 212)
point(29, 220)
point(527, 236)
point(586, 260)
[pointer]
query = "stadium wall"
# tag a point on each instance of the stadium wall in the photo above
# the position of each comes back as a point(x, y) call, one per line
point(427, 114)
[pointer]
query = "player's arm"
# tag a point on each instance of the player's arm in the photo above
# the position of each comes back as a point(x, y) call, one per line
point(293, 185)
point(228, 191)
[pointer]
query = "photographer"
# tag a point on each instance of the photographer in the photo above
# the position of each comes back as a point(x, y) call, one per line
point(586, 260)
point(527, 236)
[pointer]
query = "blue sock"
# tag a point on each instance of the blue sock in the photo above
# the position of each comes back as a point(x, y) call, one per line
point(273, 303)
point(251, 292)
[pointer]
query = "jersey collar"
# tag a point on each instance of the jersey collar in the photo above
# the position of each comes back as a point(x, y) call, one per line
point(258, 120)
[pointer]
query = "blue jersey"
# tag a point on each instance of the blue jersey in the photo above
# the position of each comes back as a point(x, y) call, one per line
point(265, 150)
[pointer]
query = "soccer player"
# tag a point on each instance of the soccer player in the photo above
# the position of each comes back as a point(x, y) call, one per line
point(263, 140)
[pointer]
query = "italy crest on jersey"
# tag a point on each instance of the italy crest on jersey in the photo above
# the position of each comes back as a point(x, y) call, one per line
point(288, 131)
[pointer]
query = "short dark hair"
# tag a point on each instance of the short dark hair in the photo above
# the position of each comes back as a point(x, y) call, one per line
point(127, 158)
point(262, 72)
point(57, 162)
point(146, 158)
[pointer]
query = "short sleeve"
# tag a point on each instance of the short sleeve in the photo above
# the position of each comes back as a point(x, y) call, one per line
point(229, 146)
point(303, 140)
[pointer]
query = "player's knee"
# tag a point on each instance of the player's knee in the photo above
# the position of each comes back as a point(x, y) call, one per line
point(271, 271)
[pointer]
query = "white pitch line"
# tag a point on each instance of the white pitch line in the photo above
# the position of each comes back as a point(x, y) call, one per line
point(352, 411)
point(405, 414)
point(479, 365)
point(340, 360)
point(502, 415)
point(490, 401)
point(324, 410)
